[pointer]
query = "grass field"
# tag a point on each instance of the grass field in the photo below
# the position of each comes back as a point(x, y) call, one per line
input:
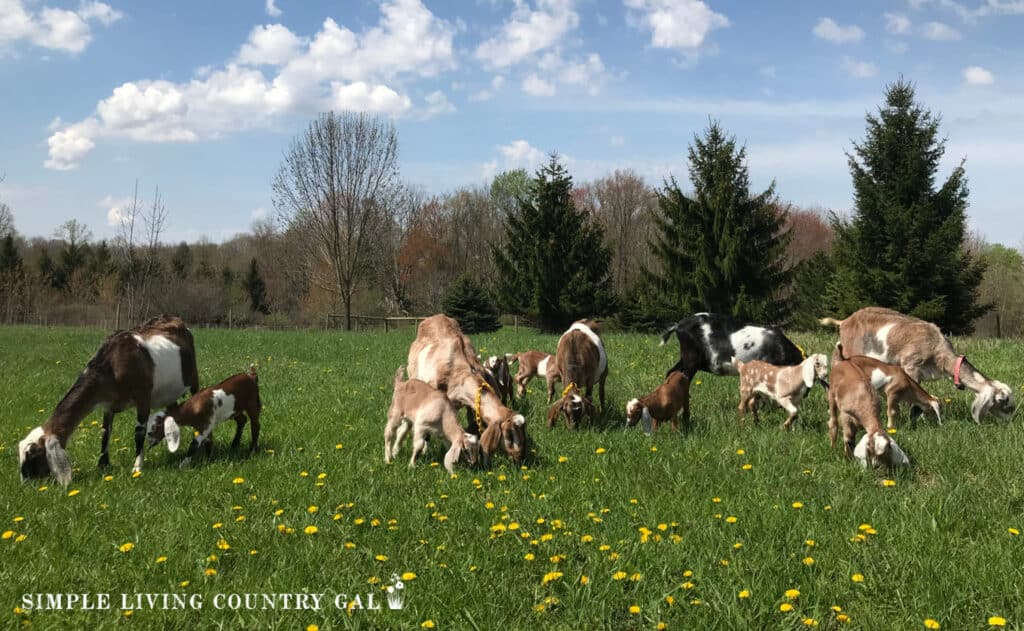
point(604, 529)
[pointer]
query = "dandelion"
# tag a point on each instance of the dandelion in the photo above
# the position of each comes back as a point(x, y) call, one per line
point(586, 538)
point(730, 520)
point(551, 576)
point(737, 545)
point(7, 534)
point(223, 545)
point(997, 621)
point(857, 578)
point(563, 459)
point(427, 624)
point(724, 562)
point(688, 573)
point(810, 622)
point(161, 559)
point(184, 583)
point(409, 576)
point(634, 609)
point(785, 607)
point(688, 585)
point(1013, 531)
point(600, 450)
point(238, 481)
point(240, 518)
point(930, 623)
point(618, 576)
point(792, 593)
point(808, 561)
point(744, 594)
point(20, 538)
point(108, 478)
point(218, 525)
point(253, 552)
point(887, 483)
point(211, 558)
point(529, 556)
point(381, 557)
point(810, 543)
point(211, 571)
point(278, 512)
point(661, 626)
point(670, 600)
point(127, 613)
point(842, 618)
point(716, 500)
point(312, 627)
point(321, 476)
point(339, 446)
point(136, 474)
point(635, 577)
point(73, 492)
point(747, 467)
point(798, 505)
point(584, 580)
point(126, 547)
point(653, 448)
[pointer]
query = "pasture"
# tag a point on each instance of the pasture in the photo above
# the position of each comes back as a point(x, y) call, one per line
point(602, 529)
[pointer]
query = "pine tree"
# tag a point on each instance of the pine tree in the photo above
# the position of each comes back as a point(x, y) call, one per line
point(181, 261)
point(256, 288)
point(554, 265)
point(722, 249)
point(904, 246)
point(468, 302)
point(10, 258)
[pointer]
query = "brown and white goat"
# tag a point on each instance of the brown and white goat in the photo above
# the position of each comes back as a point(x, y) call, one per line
point(786, 385)
point(662, 405)
point(237, 397)
point(532, 364)
point(500, 377)
point(147, 367)
point(922, 351)
point(581, 362)
point(444, 358)
point(427, 411)
point(894, 381)
point(853, 403)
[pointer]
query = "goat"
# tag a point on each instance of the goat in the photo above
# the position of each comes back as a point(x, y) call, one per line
point(573, 405)
point(500, 377)
point(923, 352)
point(444, 358)
point(896, 383)
point(148, 366)
point(662, 405)
point(786, 385)
point(853, 402)
point(709, 341)
point(533, 364)
point(237, 397)
point(418, 405)
point(581, 362)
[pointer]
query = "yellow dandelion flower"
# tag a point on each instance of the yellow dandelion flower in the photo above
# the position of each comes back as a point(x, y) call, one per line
point(253, 552)
point(888, 483)
point(792, 593)
point(996, 621)
point(670, 600)
point(931, 623)
point(127, 613)
point(724, 562)
point(716, 500)
point(891, 431)
point(635, 577)
point(161, 559)
point(321, 476)
point(634, 609)
point(7, 534)
point(808, 561)
point(211, 558)
point(409, 576)
point(20, 538)
point(857, 578)
point(312, 509)
point(529, 556)
point(278, 512)
point(218, 525)
point(688, 573)
point(810, 543)
point(551, 576)
point(747, 467)
point(798, 505)
point(1013, 531)
point(744, 594)
point(427, 624)
point(223, 545)
point(136, 474)
point(785, 607)
point(600, 450)
point(842, 618)
point(312, 627)
point(310, 530)
point(654, 448)
point(810, 622)
point(381, 557)
point(563, 459)
point(73, 492)
point(240, 518)
point(108, 478)
point(618, 576)
point(737, 545)
point(184, 583)
point(661, 626)
point(688, 585)
point(210, 571)
point(238, 481)
point(586, 538)
point(730, 520)
point(127, 547)
point(584, 579)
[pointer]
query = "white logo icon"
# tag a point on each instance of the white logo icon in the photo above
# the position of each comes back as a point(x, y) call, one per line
point(395, 592)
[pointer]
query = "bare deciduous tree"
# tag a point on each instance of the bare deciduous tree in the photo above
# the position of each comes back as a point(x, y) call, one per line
point(624, 203)
point(137, 245)
point(339, 182)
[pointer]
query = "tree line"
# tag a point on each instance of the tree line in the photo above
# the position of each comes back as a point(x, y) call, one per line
point(350, 236)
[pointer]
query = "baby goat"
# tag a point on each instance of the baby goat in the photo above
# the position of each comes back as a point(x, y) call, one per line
point(786, 385)
point(236, 397)
point(897, 384)
point(853, 403)
point(662, 405)
point(428, 412)
point(500, 378)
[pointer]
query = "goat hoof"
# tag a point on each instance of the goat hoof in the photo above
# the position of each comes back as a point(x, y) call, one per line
point(104, 461)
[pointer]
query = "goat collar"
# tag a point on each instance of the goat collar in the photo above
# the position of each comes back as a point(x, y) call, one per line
point(568, 388)
point(956, 373)
point(479, 396)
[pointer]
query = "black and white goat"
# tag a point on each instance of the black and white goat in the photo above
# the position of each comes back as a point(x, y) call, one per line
point(147, 367)
point(710, 341)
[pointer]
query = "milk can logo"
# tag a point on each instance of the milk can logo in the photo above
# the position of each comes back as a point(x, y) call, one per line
point(395, 598)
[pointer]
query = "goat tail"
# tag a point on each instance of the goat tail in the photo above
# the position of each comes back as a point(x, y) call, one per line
point(398, 375)
point(252, 373)
point(667, 334)
point(831, 322)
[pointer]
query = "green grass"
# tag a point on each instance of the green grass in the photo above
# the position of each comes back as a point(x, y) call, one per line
point(942, 548)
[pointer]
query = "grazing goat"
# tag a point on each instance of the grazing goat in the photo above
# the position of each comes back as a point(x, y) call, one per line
point(786, 385)
point(853, 403)
point(894, 381)
point(533, 364)
point(149, 366)
point(662, 405)
point(500, 377)
point(923, 352)
point(237, 397)
point(709, 341)
point(444, 358)
point(581, 362)
point(418, 405)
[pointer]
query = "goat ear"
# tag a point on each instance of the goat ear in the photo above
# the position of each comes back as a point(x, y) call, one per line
point(172, 433)
point(452, 457)
point(57, 458)
point(555, 409)
point(808, 372)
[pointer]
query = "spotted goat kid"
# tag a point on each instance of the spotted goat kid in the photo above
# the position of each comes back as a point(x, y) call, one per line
point(786, 385)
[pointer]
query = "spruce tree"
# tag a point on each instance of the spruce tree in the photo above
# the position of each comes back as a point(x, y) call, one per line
point(468, 302)
point(903, 248)
point(10, 258)
point(256, 288)
point(554, 264)
point(722, 249)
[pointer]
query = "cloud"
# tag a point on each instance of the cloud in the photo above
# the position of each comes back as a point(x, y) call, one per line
point(272, 9)
point(528, 31)
point(676, 24)
point(518, 154)
point(116, 209)
point(897, 23)
point(859, 69)
point(436, 104)
point(50, 28)
point(274, 73)
point(976, 75)
point(486, 93)
point(535, 86)
point(829, 30)
point(939, 32)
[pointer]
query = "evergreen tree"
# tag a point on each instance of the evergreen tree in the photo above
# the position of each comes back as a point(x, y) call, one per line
point(554, 265)
point(10, 258)
point(722, 249)
point(181, 261)
point(904, 246)
point(256, 288)
point(468, 302)
point(46, 266)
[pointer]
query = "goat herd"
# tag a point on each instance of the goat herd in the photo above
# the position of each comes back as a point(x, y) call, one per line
point(153, 365)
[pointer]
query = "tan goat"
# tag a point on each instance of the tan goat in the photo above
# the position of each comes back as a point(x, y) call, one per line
point(662, 405)
point(853, 403)
point(786, 385)
point(581, 363)
point(894, 381)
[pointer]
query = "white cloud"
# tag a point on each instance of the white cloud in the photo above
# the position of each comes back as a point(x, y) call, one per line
point(588, 74)
point(272, 9)
point(437, 104)
point(336, 68)
point(486, 93)
point(528, 31)
point(617, 140)
point(259, 214)
point(51, 28)
point(535, 86)
point(829, 30)
point(939, 32)
point(116, 209)
point(976, 75)
point(518, 154)
point(897, 23)
point(676, 24)
point(859, 69)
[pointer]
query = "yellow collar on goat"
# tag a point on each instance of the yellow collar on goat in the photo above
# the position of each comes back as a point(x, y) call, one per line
point(479, 395)
point(572, 384)
point(803, 353)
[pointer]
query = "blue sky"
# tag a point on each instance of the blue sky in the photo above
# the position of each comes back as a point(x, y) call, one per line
point(202, 98)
